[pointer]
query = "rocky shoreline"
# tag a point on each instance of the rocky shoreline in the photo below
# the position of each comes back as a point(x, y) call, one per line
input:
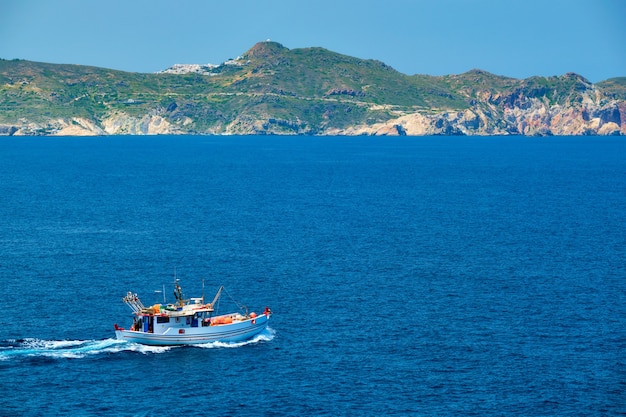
point(271, 90)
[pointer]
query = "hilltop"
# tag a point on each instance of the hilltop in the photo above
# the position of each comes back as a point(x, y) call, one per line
point(271, 89)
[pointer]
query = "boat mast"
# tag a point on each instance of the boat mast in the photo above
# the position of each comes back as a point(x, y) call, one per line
point(178, 293)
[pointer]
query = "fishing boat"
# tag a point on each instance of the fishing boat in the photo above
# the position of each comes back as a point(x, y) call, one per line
point(189, 322)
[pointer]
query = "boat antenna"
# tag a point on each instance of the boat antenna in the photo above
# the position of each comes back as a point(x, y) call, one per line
point(164, 302)
point(202, 290)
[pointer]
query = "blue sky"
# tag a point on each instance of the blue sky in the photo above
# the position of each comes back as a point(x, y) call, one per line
point(517, 38)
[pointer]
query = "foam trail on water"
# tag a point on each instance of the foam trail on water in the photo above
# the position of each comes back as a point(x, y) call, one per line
point(265, 336)
point(24, 348)
point(28, 348)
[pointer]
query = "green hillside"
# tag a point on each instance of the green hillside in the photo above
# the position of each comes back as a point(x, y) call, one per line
point(269, 89)
point(615, 87)
point(312, 84)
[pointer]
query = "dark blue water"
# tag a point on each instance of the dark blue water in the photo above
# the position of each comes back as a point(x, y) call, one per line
point(408, 276)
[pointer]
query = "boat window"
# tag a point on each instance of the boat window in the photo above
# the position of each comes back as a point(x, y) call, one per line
point(161, 319)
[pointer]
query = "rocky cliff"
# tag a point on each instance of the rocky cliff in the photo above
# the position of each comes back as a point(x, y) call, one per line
point(589, 112)
point(274, 90)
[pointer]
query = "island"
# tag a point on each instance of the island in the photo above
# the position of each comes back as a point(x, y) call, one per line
point(273, 90)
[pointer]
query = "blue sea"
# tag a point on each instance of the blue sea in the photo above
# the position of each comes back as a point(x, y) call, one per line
point(431, 276)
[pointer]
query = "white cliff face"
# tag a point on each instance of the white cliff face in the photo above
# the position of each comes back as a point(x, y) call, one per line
point(123, 124)
point(117, 124)
point(76, 126)
point(79, 127)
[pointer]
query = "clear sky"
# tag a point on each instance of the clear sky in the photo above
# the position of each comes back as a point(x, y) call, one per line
point(517, 38)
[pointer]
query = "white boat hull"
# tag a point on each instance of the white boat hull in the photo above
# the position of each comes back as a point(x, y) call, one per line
point(185, 335)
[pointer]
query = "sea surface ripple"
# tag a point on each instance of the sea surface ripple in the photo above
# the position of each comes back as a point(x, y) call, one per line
point(407, 276)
